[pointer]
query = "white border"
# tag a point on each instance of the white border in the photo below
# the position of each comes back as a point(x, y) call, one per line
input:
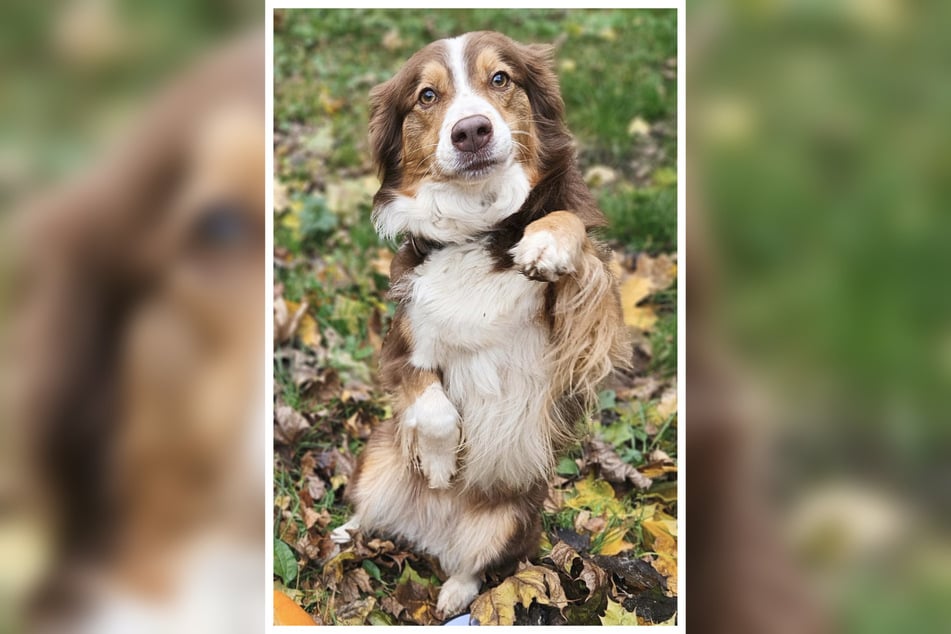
point(678, 5)
point(268, 616)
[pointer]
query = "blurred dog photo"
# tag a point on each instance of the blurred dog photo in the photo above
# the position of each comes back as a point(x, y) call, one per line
point(133, 489)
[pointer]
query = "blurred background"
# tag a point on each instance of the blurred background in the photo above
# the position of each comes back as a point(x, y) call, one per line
point(132, 183)
point(819, 338)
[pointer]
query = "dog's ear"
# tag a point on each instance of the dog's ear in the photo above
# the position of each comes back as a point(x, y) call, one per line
point(541, 82)
point(386, 130)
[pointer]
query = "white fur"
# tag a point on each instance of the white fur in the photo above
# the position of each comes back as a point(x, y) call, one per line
point(435, 422)
point(456, 594)
point(541, 254)
point(452, 212)
point(483, 329)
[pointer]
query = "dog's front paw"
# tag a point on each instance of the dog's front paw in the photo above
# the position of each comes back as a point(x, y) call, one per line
point(545, 256)
point(456, 595)
point(436, 424)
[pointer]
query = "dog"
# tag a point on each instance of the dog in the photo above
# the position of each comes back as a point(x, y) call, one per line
point(508, 316)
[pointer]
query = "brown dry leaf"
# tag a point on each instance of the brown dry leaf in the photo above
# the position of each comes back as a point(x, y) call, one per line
point(355, 584)
point(289, 425)
point(313, 518)
point(416, 600)
point(287, 318)
point(567, 559)
point(613, 469)
point(668, 403)
point(355, 612)
point(332, 574)
point(637, 575)
point(316, 547)
point(657, 469)
point(316, 488)
point(530, 583)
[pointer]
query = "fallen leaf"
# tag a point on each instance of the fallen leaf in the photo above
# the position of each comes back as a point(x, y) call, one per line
point(285, 563)
point(637, 575)
point(595, 495)
point(287, 318)
point(567, 559)
point(614, 542)
point(530, 583)
point(289, 425)
point(355, 612)
point(286, 612)
point(354, 584)
point(615, 614)
point(613, 469)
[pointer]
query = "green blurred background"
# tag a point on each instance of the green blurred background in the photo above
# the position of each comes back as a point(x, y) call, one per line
point(819, 142)
point(75, 73)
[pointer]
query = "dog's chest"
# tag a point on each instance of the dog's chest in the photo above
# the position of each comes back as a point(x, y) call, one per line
point(458, 303)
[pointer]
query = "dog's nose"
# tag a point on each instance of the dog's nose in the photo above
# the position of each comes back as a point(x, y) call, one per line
point(472, 133)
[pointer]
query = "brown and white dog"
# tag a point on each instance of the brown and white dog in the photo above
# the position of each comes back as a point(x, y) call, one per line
point(508, 316)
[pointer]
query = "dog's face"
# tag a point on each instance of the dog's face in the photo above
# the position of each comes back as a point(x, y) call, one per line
point(462, 111)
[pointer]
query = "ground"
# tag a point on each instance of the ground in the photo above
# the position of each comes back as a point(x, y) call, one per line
point(609, 548)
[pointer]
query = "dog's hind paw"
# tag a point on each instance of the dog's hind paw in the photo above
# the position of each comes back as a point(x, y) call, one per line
point(341, 535)
point(456, 595)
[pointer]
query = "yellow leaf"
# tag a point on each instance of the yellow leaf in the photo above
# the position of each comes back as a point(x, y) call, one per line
point(663, 541)
point(530, 583)
point(308, 332)
point(615, 614)
point(596, 496)
point(667, 566)
point(642, 318)
point(614, 542)
point(286, 612)
point(634, 289)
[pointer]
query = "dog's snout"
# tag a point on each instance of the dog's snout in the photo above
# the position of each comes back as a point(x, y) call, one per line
point(472, 133)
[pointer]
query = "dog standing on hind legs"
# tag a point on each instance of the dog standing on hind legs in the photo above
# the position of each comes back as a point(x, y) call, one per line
point(507, 318)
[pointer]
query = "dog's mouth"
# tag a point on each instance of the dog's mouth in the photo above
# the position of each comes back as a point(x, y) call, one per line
point(477, 166)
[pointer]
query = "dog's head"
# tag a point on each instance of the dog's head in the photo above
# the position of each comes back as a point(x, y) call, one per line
point(473, 118)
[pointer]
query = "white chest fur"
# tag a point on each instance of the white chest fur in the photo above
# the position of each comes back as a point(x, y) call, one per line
point(484, 330)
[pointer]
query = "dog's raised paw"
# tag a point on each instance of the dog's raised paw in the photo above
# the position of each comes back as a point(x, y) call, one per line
point(543, 257)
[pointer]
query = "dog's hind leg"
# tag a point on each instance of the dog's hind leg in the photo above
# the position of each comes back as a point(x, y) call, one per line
point(482, 539)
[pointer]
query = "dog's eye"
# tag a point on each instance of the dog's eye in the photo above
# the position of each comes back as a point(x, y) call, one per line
point(427, 96)
point(500, 79)
point(222, 225)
